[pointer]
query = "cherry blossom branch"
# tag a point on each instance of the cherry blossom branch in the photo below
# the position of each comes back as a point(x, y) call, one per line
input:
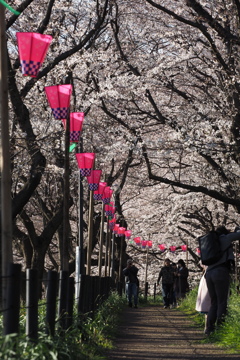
point(218, 195)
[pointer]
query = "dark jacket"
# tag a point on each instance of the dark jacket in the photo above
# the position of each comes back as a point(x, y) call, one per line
point(131, 274)
point(225, 243)
point(167, 275)
point(182, 283)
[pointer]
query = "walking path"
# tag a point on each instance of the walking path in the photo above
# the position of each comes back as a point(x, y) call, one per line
point(149, 333)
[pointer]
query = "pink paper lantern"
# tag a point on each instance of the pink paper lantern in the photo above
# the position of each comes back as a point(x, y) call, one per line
point(59, 100)
point(76, 123)
point(112, 223)
point(113, 220)
point(108, 210)
point(85, 163)
point(121, 231)
point(32, 49)
point(106, 196)
point(184, 247)
point(198, 251)
point(144, 244)
point(93, 179)
point(128, 234)
point(162, 247)
point(98, 193)
point(172, 248)
point(115, 229)
point(112, 210)
point(149, 244)
point(137, 240)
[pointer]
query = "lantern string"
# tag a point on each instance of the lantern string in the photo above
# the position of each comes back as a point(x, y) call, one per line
point(10, 8)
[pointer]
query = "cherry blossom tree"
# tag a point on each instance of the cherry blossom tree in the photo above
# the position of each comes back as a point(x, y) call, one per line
point(159, 85)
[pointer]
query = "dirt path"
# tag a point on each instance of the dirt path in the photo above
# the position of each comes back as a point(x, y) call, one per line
point(156, 333)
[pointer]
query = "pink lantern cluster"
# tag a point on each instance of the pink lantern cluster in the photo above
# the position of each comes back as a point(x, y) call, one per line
point(143, 243)
point(32, 51)
point(163, 247)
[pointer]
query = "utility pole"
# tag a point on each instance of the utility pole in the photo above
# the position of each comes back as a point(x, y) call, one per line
point(6, 201)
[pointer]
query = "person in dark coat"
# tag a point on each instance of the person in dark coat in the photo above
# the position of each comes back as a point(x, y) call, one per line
point(218, 279)
point(182, 286)
point(167, 275)
point(130, 272)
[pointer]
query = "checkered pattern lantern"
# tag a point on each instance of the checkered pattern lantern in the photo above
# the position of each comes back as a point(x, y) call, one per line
point(112, 209)
point(97, 195)
point(184, 247)
point(112, 223)
point(149, 244)
point(172, 248)
point(144, 244)
point(109, 210)
point(76, 123)
point(85, 163)
point(106, 196)
point(128, 234)
point(115, 229)
point(93, 179)
point(137, 240)
point(121, 231)
point(32, 49)
point(162, 247)
point(59, 100)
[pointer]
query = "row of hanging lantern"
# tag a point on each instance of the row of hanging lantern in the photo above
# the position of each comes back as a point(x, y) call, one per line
point(143, 243)
point(163, 248)
point(32, 51)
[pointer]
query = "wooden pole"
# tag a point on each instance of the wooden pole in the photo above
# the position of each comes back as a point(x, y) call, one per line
point(65, 238)
point(113, 255)
point(90, 233)
point(146, 269)
point(187, 254)
point(101, 242)
point(120, 261)
point(106, 252)
point(6, 201)
point(80, 233)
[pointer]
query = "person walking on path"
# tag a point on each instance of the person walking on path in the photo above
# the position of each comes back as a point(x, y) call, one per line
point(182, 286)
point(218, 279)
point(130, 273)
point(167, 275)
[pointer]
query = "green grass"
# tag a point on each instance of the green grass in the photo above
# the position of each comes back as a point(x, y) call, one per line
point(228, 334)
point(87, 339)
